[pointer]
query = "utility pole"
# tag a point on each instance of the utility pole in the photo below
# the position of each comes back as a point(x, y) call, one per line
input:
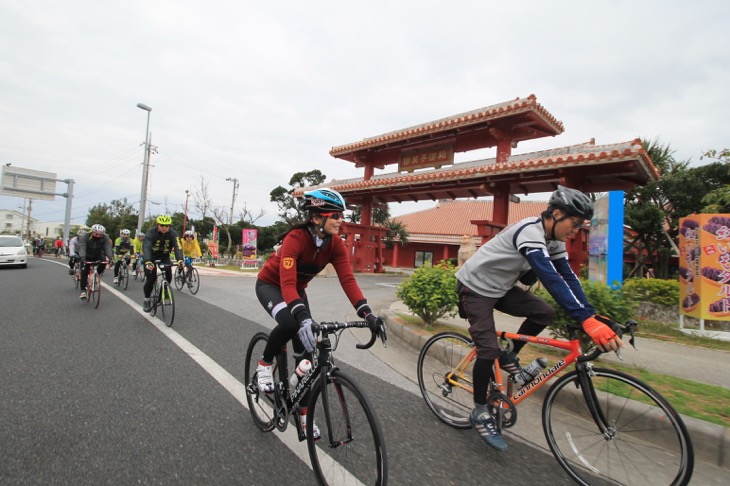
point(233, 202)
point(145, 169)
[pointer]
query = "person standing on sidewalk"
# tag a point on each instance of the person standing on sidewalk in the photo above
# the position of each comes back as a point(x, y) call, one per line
point(304, 252)
point(529, 250)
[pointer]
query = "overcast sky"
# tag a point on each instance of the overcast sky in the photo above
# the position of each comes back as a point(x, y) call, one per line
point(259, 90)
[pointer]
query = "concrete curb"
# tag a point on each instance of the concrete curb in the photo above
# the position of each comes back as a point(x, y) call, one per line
point(711, 442)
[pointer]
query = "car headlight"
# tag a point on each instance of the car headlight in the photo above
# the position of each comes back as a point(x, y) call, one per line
point(22, 252)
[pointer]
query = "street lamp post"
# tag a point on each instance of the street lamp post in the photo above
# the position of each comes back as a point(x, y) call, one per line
point(145, 169)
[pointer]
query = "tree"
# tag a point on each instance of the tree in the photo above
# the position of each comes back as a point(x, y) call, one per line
point(718, 200)
point(201, 198)
point(653, 210)
point(288, 204)
point(115, 216)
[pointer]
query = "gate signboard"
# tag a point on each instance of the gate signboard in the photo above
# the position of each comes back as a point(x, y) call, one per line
point(704, 271)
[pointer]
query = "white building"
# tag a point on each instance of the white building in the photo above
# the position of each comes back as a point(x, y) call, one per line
point(15, 222)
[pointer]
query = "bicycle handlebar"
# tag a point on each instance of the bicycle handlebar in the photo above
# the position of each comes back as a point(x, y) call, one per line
point(376, 331)
point(620, 330)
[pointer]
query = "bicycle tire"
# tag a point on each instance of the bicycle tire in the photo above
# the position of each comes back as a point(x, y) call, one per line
point(124, 276)
point(261, 405)
point(167, 304)
point(438, 358)
point(351, 445)
point(96, 279)
point(155, 299)
point(194, 281)
point(646, 442)
point(77, 276)
point(179, 278)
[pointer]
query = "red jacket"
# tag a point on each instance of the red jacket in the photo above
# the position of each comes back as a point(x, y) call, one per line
point(299, 260)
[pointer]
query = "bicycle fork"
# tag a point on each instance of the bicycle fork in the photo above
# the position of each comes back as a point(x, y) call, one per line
point(584, 382)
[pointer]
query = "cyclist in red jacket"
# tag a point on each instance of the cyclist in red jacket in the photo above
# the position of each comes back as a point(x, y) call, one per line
point(305, 250)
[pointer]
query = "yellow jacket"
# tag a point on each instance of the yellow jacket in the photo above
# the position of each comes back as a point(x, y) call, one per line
point(191, 248)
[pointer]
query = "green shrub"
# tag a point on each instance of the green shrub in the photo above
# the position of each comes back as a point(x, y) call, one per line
point(654, 290)
point(430, 292)
point(607, 302)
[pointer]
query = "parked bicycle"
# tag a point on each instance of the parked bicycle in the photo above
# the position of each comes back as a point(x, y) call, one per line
point(351, 448)
point(187, 276)
point(162, 299)
point(123, 276)
point(93, 284)
point(597, 421)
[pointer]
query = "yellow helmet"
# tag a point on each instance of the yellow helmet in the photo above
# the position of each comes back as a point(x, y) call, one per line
point(164, 220)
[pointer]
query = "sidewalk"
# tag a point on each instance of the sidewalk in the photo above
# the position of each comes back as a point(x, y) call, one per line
point(711, 442)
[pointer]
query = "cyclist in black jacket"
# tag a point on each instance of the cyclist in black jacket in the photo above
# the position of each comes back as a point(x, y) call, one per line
point(158, 243)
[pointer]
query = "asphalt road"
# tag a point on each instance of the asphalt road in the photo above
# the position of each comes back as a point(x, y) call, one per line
point(111, 396)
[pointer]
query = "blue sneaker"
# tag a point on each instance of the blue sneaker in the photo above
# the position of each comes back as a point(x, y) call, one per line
point(487, 428)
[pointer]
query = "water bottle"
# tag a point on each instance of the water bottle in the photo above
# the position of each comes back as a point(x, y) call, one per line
point(302, 368)
point(530, 371)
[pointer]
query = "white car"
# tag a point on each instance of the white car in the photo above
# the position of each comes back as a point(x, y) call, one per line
point(12, 251)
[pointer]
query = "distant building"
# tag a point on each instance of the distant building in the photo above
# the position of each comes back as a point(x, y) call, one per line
point(14, 222)
point(435, 234)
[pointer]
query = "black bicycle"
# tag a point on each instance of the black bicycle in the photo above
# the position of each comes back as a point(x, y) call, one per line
point(187, 276)
point(351, 447)
point(123, 276)
point(162, 299)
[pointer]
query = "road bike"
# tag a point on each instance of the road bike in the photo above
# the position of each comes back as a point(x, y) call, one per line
point(351, 447)
point(93, 284)
point(123, 275)
point(187, 276)
point(597, 421)
point(162, 298)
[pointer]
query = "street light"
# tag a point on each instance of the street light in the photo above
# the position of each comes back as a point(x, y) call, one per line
point(145, 168)
point(233, 202)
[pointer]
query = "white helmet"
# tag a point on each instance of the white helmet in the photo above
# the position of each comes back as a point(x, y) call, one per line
point(126, 232)
point(189, 233)
point(97, 228)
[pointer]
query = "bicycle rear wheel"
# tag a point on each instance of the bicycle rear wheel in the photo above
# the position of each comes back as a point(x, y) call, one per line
point(167, 304)
point(447, 390)
point(352, 447)
point(260, 404)
point(77, 276)
point(645, 441)
point(179, 278)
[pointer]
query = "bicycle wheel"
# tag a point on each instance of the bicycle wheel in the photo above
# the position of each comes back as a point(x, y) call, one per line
point(260, 404)
point(77, 276)
point(124, 277)
point(447, 390)
point(193, 279)
point(155, 303)
point(351, 448)
point(645, 441)
point(167, 304)
point(96, 279)
point(179, 278)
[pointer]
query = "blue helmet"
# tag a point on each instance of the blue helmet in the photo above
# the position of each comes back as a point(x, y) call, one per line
point(323, 201)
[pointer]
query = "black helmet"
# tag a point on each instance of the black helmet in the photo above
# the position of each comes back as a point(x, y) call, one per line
point(323, 201)
point(573, 202)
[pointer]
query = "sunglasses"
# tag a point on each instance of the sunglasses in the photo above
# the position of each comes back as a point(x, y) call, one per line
point(188, 236)
point(577, 224)
point(336, 215)
point(97, 235)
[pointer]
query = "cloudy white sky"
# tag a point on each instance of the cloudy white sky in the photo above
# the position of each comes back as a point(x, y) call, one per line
point(258, 90)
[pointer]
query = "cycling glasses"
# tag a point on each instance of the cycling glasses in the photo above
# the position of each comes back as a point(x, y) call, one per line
point(335, 215)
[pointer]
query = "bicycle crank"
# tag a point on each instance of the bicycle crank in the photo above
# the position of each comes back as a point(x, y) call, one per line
point(503, 410)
